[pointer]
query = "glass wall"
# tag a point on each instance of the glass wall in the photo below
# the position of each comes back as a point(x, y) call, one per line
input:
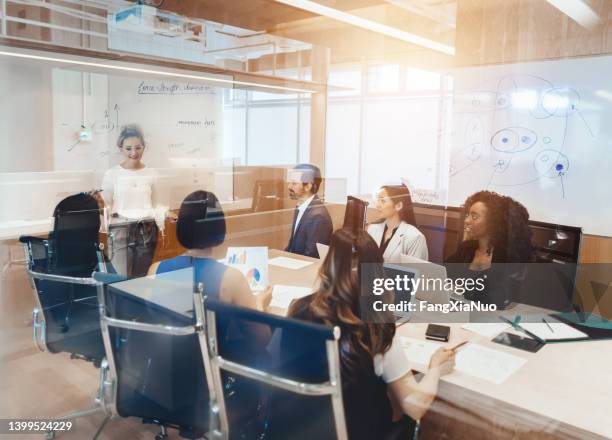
point(385, 124)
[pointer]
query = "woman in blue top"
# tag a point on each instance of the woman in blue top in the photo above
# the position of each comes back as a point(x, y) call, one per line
point(200, 227)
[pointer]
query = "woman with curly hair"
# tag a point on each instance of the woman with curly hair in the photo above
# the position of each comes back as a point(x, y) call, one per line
point(496, 231)
point(373, 366)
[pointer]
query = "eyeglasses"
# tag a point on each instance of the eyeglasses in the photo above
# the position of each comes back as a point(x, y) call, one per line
point(134, 148)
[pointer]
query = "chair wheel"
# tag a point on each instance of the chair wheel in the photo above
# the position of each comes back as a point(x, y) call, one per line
point(161, 436)
point(49, 435)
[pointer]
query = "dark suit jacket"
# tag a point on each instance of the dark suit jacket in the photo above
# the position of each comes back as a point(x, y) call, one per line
point(314, 227)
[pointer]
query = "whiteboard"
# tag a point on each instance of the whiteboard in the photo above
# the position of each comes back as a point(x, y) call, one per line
point(181, 120)
point(540, 133)
point(182, 124)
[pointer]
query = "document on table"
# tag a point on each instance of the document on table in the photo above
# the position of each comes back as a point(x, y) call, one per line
point(282, 295)
point(289, 263)
point(560, 330)
point(474, 360)
point(487, 364)
point(418, 351)
point(488, 329)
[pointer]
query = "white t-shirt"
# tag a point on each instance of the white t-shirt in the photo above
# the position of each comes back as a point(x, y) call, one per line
point(128, 191)
point(393, 365)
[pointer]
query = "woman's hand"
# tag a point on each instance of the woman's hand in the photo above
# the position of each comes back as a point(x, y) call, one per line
point(443, 360)
point(264, 298)
point(98, 198)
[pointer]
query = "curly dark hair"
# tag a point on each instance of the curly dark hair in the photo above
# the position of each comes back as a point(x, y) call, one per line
point(508, 223)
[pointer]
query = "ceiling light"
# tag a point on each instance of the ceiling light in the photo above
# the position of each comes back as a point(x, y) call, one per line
point(335, 14)
point(578, 11)
point(77, 62)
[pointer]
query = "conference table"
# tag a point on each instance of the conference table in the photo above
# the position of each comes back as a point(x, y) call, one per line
point(562, 391)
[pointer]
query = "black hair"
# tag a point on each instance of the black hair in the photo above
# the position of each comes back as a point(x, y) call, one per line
point(128, 131)
point(401, 193)
point(313, 171)
point(508, 225)
point(201, 222)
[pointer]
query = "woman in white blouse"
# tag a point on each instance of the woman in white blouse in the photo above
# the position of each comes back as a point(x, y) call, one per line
point(127, 190)
point(395, 232)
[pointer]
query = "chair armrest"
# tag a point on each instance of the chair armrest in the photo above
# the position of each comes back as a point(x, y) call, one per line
point(108, 278)
point(32, 239)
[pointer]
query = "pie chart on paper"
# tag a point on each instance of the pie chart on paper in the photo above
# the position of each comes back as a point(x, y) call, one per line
point(253, 276)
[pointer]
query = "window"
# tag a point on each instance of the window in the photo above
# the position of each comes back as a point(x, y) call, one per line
point(418, 79)
point(383, 79)
point(390, 134)
point(347, 79)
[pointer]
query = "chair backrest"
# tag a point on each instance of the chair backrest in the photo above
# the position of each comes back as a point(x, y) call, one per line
point(65, 318)
point(288, 369)
point(355, 214)
point(75, 237)
point(156, 358)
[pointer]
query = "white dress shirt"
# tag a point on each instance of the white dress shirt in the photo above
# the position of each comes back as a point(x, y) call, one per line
point(301, 209)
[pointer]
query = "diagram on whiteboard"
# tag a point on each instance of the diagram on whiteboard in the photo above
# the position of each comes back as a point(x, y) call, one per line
point(516, 132)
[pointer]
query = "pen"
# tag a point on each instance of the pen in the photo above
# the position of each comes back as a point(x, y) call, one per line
point(461, 344)
point(548, 325)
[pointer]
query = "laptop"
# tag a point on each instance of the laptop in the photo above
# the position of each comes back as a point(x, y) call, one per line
point(322, 249)
point(432, 292)
point(435, 292)
point(405, 294)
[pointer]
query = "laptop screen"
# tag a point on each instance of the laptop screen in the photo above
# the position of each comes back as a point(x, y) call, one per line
point(402, 277)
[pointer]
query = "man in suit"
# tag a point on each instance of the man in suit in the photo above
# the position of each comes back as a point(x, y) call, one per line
point(311, 221)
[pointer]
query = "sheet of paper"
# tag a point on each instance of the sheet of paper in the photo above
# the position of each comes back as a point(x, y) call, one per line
point(282, 295)
point(418, 351)
point(488, 329)
point(487, 364)
point(560, 330)
point(252, 262)
point(289, 263)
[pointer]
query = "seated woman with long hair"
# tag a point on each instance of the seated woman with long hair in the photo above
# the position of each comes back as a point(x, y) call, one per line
point(395, 231)
point(496, 232)
point(373, 366)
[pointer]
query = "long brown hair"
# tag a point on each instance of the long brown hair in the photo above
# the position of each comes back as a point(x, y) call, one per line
point(338, 300)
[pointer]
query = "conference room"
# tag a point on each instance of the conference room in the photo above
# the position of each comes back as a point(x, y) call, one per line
point(298, 219)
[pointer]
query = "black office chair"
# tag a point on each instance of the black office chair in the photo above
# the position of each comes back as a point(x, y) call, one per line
point(299, 395)
point(60, 269)
point(355, 214)
point(157, 362)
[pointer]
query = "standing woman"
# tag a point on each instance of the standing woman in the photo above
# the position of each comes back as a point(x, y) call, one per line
point(127, 190)
point(395, 232)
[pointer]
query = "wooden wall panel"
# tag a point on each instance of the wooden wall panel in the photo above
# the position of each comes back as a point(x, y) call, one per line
point(506, 31)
